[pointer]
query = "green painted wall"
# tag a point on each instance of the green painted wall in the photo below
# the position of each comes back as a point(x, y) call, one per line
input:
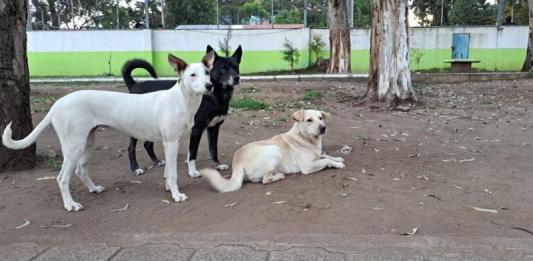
point(54, 64)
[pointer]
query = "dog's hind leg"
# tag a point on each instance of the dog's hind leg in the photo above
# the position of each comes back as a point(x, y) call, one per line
point(71, 155)
point(171, 173)
point(212, 136)
point(272, 176)
point(194, 142)
point(82, 168)
point(149, 147)
point(134, 165)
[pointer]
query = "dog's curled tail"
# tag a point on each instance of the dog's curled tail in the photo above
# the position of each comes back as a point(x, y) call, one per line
point(131, 65)
point(220, 183)
point(7, 137)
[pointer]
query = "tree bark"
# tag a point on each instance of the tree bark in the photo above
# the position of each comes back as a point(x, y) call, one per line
point(339, 37)
point(14, 83)
point(389, 72)
point(528, 63)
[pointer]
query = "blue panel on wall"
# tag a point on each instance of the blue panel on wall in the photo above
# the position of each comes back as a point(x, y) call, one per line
point(460, 45)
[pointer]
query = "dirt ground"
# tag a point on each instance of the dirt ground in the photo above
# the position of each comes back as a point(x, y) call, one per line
point(467, 145)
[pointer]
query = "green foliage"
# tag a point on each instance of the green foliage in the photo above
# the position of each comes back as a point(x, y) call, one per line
point(224, 44)
point(455, 12)
point(293, 16)
point(362, 13)
point(416, 57)
point(310, 95)
point(254, 8)
point(472, 12)
point(290, 53)
point(247, 103)
point(315, 46)
point(178, 12)
point(518, 10)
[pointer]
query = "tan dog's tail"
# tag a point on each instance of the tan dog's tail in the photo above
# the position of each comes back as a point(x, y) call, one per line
point(220, 183)
point(7, 137)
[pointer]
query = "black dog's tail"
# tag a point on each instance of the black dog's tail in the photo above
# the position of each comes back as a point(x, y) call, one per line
point(131, 65)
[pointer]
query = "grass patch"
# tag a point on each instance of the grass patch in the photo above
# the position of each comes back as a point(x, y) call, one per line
point(247, 103)
point(248, 90)
point(310, 95)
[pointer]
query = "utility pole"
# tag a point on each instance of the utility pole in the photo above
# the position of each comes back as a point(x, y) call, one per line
point(118, 19)
point(28, 22)
point(272, 13)
point(350, 13)
point(218, 20)
point(72, 13)
point(305, 13)
point(162, 14)
point(146, 15)
point(501, 11)
point(441, 12)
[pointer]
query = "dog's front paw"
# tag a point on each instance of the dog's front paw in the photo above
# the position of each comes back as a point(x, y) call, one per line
point(97, 189)
point(138, 171)
point(161, 163)
point(338, 165)
point(338, 159)
point(73, 206)
point(179, 197)
point(221, 167)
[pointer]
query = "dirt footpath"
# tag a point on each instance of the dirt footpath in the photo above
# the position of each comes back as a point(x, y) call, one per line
point(460, 164)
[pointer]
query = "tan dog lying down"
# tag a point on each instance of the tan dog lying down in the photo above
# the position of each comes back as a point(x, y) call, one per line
point(266, 161)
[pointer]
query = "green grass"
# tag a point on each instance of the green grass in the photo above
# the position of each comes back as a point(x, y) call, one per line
point(247, 103)
point(249, 90)
point(310, 95)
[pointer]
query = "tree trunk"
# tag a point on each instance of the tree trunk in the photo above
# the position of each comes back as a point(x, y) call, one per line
point(53, 14)
point(339, 37)
point(14, 83)
point(528, 63)
point(389, 73)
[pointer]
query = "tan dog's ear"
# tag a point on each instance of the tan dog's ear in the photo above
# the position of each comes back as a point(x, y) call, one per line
point(177, 64)
point(298, 116)
point(325, 114)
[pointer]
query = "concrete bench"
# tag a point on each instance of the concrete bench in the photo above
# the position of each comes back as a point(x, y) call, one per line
point(462, 65)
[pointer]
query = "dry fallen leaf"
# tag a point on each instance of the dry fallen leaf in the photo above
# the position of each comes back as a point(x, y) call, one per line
point(120, 209)
point(410, 233)
point(346, 149)
point(46, 178)
point(351, 178)
point(230, 205)
point(424, 177)
point(485, 210)
point(165, 201)
point(26, 223)
point(279, 202)
point(57, 226)
point(136, 181)
point(467, 160)
point(458, 187)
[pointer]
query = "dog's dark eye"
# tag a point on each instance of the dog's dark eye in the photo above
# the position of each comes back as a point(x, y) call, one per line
point(309, 120)
point(206, 72)
point(193, 75)
point(320, 118)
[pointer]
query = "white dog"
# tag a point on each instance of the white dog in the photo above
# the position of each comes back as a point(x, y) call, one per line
point(157, 116)
point(298, 150)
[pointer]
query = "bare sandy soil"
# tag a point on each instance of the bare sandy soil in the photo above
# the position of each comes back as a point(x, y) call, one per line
point(467, 145)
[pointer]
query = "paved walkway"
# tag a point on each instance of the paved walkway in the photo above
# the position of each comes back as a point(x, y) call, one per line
point(374, 248)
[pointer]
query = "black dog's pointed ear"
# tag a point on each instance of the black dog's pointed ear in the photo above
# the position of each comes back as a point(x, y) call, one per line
point(210, 49)
point(238, 54)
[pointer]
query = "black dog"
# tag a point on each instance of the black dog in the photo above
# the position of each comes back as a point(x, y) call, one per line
point(213, 108)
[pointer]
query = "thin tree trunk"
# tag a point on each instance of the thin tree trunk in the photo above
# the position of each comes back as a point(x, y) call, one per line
point(339, 37)
point(53, 14)
point(528, 63)
point(14, 83)
point(389, 73)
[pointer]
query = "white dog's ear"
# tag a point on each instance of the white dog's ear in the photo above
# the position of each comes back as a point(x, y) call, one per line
point(177, 64)
point(325, 114)
point(298, 116)
point(208, 59)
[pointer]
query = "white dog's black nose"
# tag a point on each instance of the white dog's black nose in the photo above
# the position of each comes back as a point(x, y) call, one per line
point(208, 86)
point(322, 129)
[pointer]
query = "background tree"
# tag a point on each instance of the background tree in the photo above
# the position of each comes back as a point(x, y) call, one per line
point(254, 8)
point(339, 37)
point(429, 11)
point(179, 12)
point(315, 46)
point(389, 72)
point(472, 12)
point(14, 83)
point(293, 16)
point(362, 12)
point(528, 63)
